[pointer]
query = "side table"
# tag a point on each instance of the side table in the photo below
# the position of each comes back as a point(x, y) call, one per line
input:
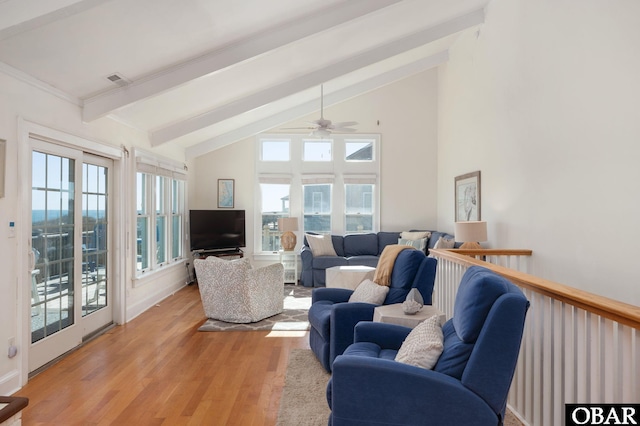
point(289, 260)
point(393, 314)
point(348, 276)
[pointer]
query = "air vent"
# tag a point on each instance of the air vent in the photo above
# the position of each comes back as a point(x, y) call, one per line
point(118, 79)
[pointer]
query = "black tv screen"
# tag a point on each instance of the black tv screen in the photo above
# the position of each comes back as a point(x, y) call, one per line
point(216, 229)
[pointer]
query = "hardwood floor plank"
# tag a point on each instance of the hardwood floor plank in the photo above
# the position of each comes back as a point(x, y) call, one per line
point(158, 369)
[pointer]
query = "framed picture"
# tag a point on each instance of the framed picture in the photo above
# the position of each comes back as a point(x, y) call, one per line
point(225, 193)
point(467, 197)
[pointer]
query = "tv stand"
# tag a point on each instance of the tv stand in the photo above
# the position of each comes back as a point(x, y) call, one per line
point(234, 253)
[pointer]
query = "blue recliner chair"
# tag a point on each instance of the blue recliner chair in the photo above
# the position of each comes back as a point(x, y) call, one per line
point(469, 383)
point(332, 320)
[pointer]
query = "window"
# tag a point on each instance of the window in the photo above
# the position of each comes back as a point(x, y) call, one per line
point(177, 218)
point(359, 150)
point(275, 204)
point(143, 222)
point(160, 209)
point(331, 185)
point(359, 207)
point(317, 150)
point(161, 220)
point(317, 208)
point(275, 150)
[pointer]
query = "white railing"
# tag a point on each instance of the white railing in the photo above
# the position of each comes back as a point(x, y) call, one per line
point(450, 272)
point(577, 347)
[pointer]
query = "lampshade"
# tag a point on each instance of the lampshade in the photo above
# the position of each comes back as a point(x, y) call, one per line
point(288, 239)
point(471, 233)
point(288, 224)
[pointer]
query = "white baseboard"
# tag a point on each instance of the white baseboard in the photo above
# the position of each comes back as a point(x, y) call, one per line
point(148, 302)
point(10, 383)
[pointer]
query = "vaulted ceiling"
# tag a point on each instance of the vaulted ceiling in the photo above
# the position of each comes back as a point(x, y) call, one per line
point(206, 73)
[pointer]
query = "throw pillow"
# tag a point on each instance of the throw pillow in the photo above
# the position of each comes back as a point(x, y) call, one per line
point(419, 244)
point(369, 292)
point(321, 245)
point(444, 244)
point(424, 344)
point(415, 235)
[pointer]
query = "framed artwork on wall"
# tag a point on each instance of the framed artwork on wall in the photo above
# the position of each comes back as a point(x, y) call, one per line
point(225, 193)
point(467, 197)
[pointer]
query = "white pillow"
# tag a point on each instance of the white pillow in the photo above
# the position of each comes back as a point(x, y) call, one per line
point(369, 292)
point(419, 244)
point(321, 245)
point(424, 344)
point(444, 244)
point(415, 235)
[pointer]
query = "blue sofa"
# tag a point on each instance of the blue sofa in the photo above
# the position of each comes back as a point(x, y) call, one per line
point(333, 318)
point(352, 249)
point(470, 381)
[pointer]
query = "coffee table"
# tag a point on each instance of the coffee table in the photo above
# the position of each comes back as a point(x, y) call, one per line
point(348, 276)
point(393, 314)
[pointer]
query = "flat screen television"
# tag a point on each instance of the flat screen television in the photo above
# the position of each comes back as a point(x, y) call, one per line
point(216, 229)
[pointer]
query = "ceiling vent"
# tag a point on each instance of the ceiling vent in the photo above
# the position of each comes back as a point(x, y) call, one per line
point(119, 79)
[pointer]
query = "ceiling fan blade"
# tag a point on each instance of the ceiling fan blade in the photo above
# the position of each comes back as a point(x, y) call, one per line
point(345, 124)
point(324, 127)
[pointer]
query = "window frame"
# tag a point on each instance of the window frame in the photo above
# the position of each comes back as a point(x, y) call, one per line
point(338, 172)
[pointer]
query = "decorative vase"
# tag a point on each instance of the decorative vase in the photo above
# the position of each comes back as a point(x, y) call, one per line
point(415, 295)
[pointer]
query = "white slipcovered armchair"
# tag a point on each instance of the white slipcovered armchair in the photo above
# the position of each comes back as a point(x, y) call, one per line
point(232, 291)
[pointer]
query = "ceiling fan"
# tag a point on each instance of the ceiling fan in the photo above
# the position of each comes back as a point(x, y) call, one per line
point(323, 127)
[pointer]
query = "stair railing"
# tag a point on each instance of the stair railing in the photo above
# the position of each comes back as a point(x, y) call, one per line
point(578, 347)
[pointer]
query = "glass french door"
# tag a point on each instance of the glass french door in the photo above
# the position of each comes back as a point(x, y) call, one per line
point(70, 249)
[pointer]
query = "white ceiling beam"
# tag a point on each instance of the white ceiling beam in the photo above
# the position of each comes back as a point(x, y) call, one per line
point(258, 44)
point(310, 107)
point(316, 78)
point(17, 16)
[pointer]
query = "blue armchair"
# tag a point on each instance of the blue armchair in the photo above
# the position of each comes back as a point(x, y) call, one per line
point(470, 381)
point(332, 320)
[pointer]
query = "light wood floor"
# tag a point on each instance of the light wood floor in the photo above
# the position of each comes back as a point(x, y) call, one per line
point(159, 369)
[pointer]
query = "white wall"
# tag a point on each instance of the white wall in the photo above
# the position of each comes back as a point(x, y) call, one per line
point(544, 102)
point(21, 101)
point(407, 115)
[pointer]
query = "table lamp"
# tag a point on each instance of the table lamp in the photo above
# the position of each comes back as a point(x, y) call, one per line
point(288, 239)
point(471, 233)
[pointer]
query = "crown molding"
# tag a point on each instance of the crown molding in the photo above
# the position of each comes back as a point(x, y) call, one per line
point(38, 84)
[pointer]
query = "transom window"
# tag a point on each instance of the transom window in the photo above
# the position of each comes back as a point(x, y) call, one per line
point(317, 150)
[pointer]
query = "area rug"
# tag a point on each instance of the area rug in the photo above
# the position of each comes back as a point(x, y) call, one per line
point(304, 400)
point(297, 300)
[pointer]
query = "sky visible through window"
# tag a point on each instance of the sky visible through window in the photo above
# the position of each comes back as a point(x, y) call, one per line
point(272, 197)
